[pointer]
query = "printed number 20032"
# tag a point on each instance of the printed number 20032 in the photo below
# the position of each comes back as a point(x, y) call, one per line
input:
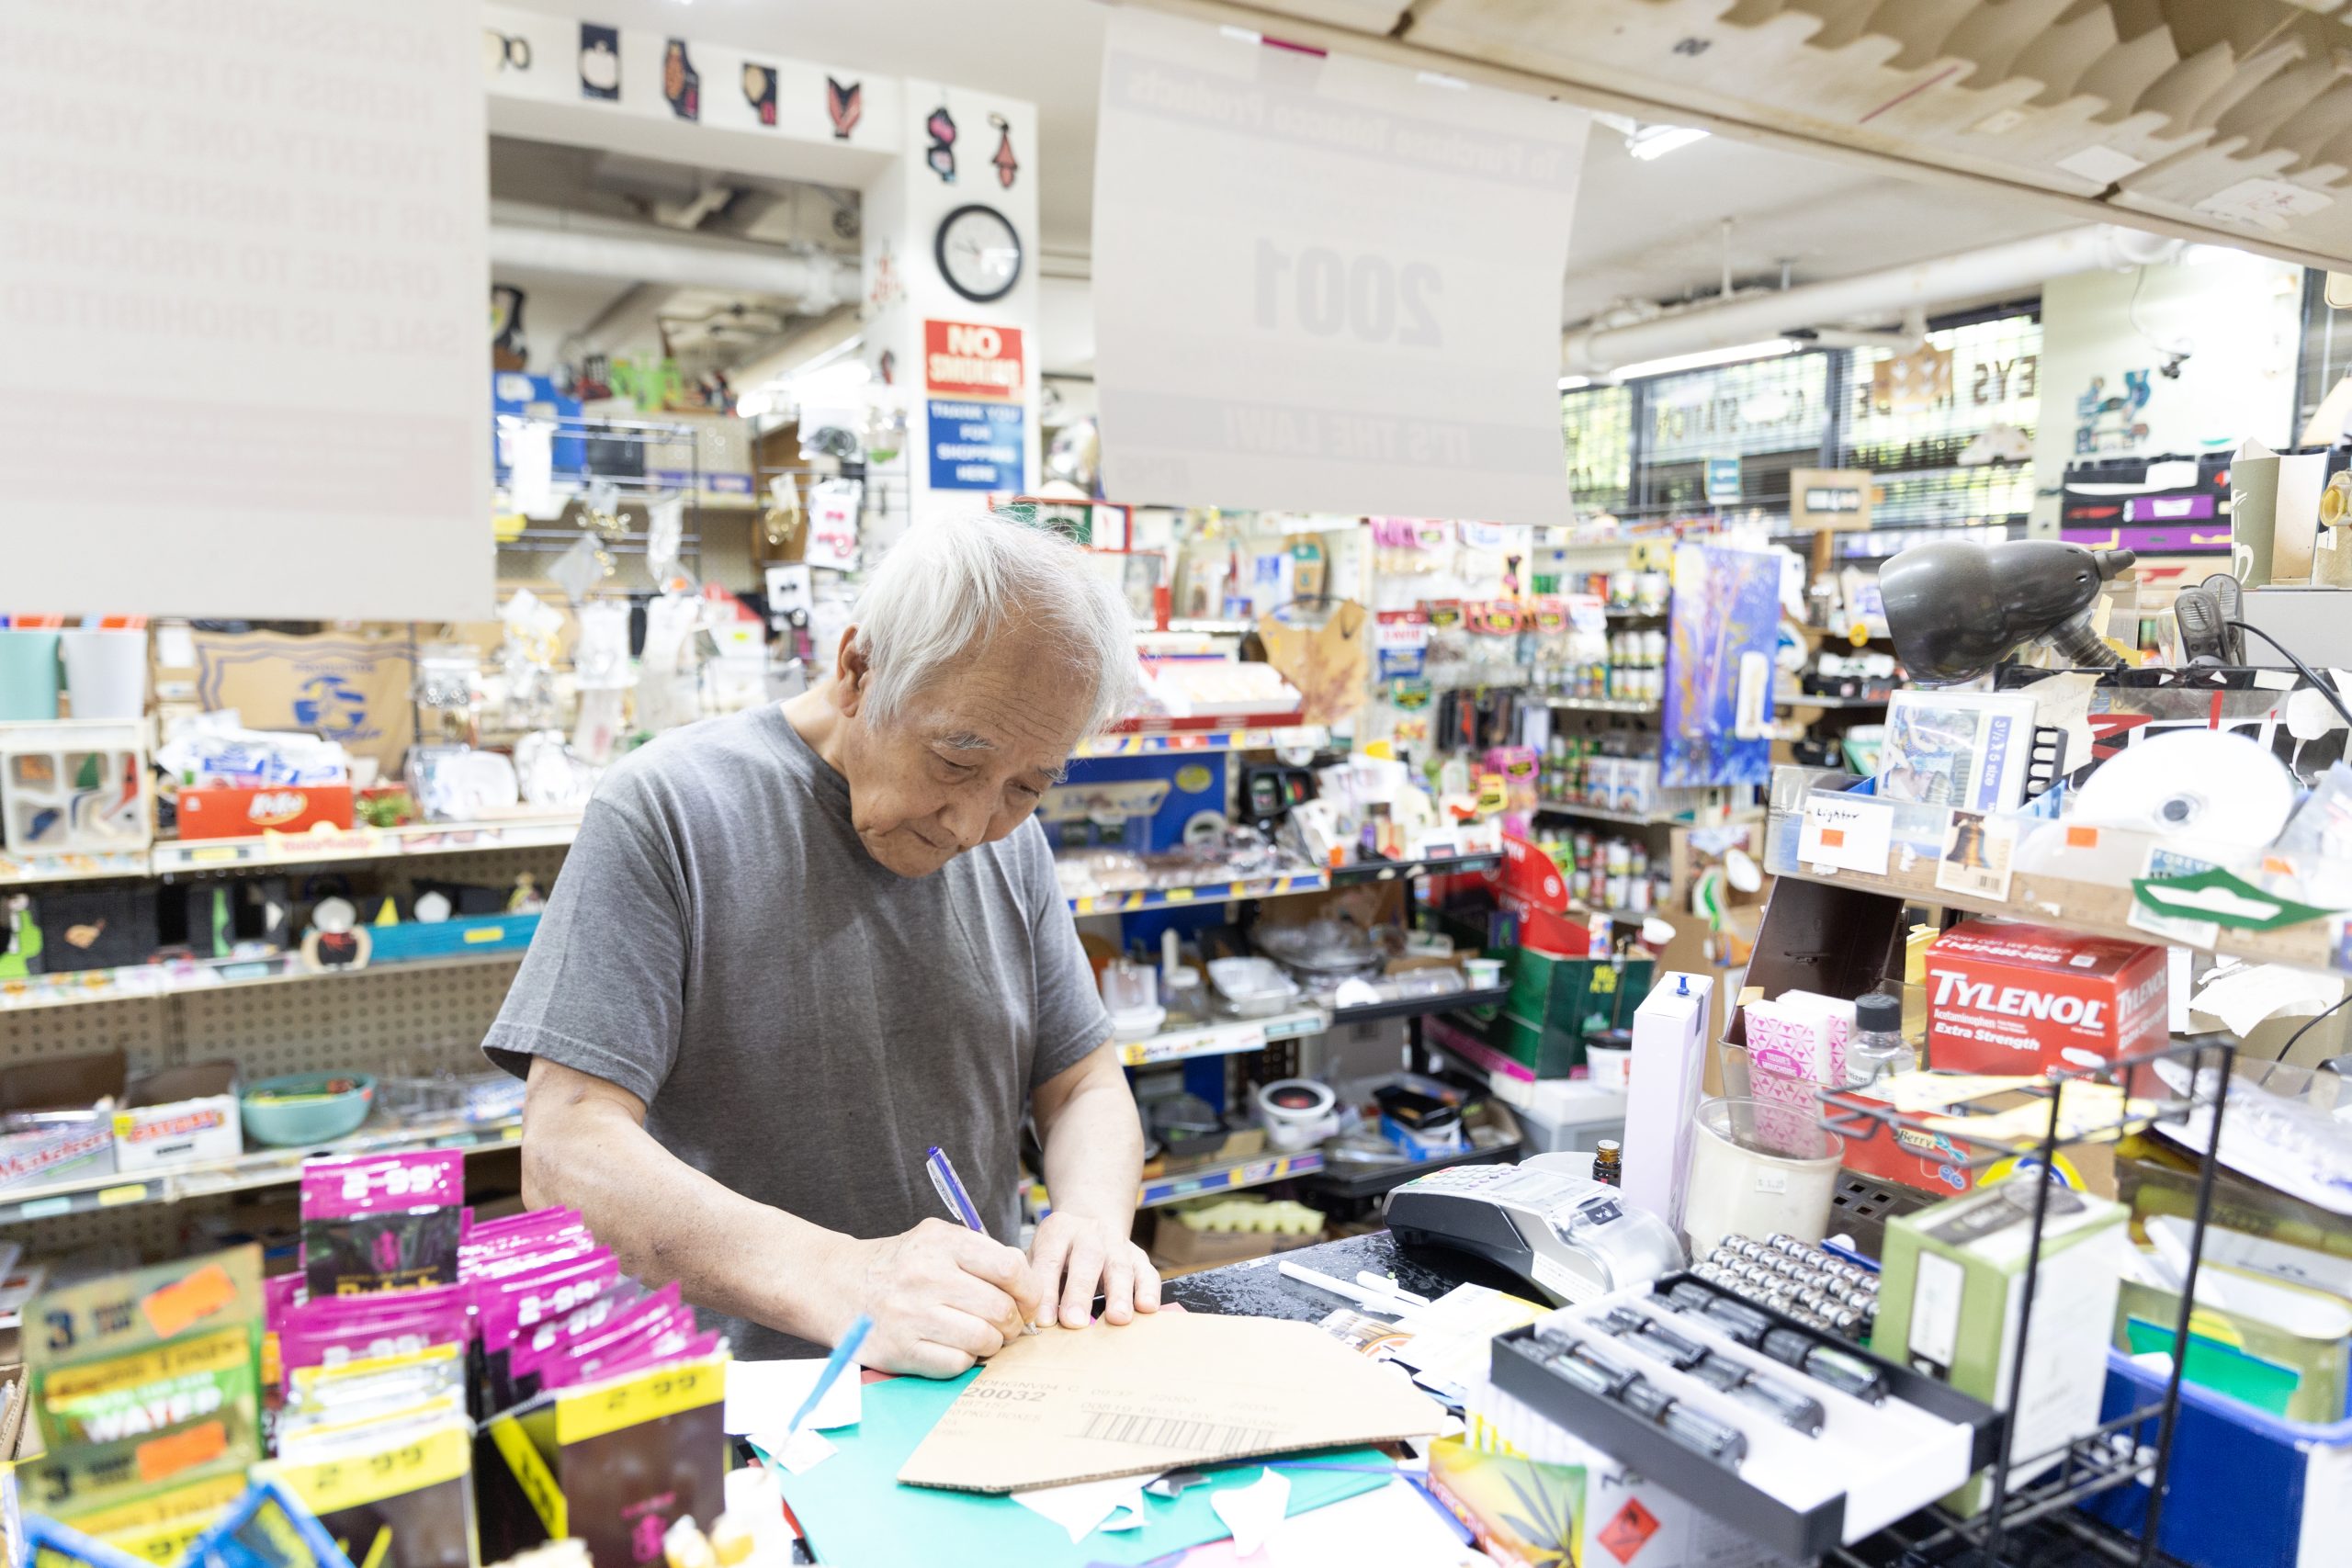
point(1368, 296)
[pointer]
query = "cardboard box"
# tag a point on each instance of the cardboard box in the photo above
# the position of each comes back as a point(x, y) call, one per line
point(1952, 1290)
point(2021, 998)
point(351, 689)
point(211, 812)
point(178, 1116)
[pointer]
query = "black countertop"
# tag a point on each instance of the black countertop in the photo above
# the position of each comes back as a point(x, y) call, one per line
point(1259, 1289)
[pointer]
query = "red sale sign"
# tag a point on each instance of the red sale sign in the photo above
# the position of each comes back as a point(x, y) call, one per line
point(963, 359)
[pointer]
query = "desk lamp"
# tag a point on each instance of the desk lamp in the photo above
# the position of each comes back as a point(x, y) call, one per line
point(1955, 610)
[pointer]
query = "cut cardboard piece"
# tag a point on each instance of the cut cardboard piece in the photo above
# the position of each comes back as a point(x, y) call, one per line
point(1168, 1389)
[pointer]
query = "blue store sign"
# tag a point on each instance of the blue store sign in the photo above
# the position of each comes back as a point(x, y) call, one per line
point(976, 446)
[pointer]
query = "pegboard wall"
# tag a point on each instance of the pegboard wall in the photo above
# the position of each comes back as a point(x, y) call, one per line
point(380, 1021)
point(431, 1016)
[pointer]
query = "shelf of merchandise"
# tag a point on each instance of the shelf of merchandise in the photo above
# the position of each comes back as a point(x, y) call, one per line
point(1369, 1181)
point(1405, 870)
point(1415, 1006)
point(256, 1168)
point(1602, 814)
point(19, 870)
point(1128, 902)
point(1227, 1176)
point(1604, 704)
point(1228, 1038)
point(1829, 704)
point(205, 976)
point(1180, 742)
point(1657, 614)
point(364, 843)
point(173, 856)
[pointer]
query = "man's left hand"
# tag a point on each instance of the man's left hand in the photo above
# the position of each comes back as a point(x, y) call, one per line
point(1076, 1256)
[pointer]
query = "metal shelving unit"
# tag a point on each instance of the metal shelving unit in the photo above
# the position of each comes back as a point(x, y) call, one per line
point(255, 1169)
point(2111, 1454)
point(1227, 1176)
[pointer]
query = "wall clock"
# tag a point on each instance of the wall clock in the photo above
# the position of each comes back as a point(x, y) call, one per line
point(978, 253)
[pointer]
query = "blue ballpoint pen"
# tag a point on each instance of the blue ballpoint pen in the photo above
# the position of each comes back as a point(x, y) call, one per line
point(942, 1175)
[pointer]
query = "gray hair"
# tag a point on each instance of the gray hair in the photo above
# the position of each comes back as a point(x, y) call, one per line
point(953, 583)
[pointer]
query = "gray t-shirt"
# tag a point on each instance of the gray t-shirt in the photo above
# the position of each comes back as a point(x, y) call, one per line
point(802, 1023)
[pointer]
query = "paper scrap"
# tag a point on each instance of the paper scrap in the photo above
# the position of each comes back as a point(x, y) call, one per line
point(1253, 1512)
point(803, 1451)
point(2243, 997)
point(1396, 1527)
point(764, 1396)
point(1083, 1505)
point(2309, 713)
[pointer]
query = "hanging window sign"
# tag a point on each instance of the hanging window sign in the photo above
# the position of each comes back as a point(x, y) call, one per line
point(1822, 499)
point(1325, 284)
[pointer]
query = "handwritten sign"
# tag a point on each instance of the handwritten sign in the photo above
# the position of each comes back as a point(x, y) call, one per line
point(1846, 834)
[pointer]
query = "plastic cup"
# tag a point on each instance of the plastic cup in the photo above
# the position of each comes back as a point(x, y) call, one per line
point(106, 672)
point(1758, 1167)
point(27, 675)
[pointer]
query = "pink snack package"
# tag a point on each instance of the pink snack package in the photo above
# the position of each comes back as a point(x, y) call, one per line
point(476, 1257)
point(280, 1293)
point(652, 1336)
point(333, 1331)
point(679, 1345)
point(381, 1222)
point(588, 1323)
point(503, 1308)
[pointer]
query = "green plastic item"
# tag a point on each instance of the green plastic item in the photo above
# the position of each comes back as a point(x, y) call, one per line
point(307, 1108)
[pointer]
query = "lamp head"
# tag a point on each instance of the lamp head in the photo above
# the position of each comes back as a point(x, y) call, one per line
point(1955, 610)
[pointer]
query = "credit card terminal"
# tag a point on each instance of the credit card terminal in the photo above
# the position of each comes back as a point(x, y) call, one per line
point(1573, 1238)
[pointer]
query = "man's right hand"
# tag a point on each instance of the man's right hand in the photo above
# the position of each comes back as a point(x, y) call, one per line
point(940, 1298)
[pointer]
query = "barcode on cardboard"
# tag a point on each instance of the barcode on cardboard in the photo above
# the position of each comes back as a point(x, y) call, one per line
point(1175, 1432)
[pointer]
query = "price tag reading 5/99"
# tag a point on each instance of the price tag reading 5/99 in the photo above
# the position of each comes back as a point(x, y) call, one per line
point(1326, 283)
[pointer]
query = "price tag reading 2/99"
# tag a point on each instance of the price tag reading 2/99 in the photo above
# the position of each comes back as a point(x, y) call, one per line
point(1367, 297)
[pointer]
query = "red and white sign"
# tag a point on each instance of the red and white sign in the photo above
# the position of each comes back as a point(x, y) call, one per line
point(964, 359)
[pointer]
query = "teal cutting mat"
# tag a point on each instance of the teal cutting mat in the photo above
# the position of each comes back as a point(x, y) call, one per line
point(858, 1515)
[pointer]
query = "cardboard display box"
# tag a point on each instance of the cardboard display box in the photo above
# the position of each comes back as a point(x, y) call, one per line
point(216, 812)
point(178, 1116)
point(352, 689)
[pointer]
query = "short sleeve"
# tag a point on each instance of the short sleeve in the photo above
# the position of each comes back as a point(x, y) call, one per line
point(602, 988)
point(1071, 1021)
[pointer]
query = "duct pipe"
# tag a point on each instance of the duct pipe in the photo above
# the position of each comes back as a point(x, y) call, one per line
point(1997, 269)
point(816, 283)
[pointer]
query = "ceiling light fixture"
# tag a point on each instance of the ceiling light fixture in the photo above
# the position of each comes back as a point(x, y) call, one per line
point(1706, 357)
point(1575, 383)
point(1657, 141)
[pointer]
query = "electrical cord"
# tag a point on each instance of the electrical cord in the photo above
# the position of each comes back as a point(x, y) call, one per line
point(2308, 1025)
point(2334, 698)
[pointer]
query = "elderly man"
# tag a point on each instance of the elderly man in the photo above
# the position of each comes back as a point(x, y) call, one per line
point(793, 949)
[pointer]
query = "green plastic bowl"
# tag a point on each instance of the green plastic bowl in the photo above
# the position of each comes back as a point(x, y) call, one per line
point(307, 1108)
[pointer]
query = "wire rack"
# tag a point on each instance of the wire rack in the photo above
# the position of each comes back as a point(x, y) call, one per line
point(2112, 1454)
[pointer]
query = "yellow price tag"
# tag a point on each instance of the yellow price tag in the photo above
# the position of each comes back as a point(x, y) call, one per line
point(135, 1192)
point(337, 1483)
point(592, 1413)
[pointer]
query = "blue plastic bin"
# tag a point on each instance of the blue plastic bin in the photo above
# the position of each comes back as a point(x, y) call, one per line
point(449, 938)
point(2248, 1490)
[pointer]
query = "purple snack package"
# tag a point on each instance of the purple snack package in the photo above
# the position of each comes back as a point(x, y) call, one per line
point(589, 1322)
point(333, 1331)
point(381, 1222)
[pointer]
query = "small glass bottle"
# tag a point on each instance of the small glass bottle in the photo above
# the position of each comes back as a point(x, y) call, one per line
point(1607, 1164)
point(1876, 1049)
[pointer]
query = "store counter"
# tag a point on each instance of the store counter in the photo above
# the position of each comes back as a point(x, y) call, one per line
point(1258, 1287)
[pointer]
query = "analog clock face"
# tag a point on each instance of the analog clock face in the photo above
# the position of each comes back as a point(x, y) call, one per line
point(978, 253)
